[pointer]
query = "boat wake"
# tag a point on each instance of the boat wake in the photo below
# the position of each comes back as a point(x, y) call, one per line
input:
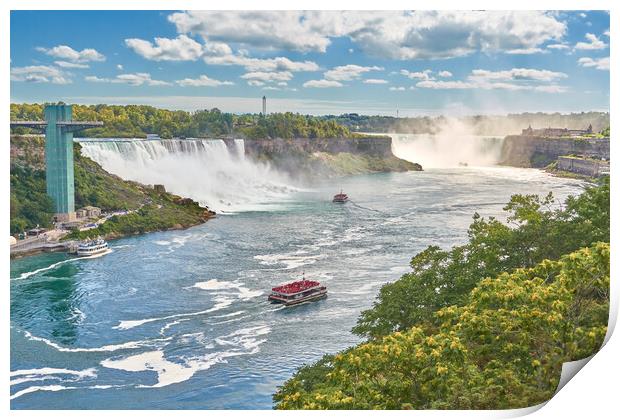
point(28, 274)
point(221, 303)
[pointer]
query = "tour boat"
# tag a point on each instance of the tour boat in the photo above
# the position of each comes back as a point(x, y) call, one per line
point(297, 292)
point(340, 198)
point(91, 248)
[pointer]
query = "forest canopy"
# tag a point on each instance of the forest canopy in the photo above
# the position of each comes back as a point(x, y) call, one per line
point(140, 120)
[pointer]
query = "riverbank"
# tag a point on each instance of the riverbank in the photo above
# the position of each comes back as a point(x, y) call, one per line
point(145, 208)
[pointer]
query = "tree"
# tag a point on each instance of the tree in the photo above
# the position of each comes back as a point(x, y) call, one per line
point(503, 348)
point(536, 230)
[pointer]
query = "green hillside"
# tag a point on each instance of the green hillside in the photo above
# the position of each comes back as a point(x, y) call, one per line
point(30, 204)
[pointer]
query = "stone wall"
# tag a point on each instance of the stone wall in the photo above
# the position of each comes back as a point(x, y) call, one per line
point(582, 166)
point(531, 151)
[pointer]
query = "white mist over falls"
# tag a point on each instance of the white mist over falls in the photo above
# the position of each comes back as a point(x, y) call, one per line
point(454, 145)
point(219, 175)
point(208, 171)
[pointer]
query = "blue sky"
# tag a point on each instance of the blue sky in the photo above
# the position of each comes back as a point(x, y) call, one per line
point(421, 63)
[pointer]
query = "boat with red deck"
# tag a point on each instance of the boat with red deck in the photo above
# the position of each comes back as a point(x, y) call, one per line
point(341, 198)
point(297, 292)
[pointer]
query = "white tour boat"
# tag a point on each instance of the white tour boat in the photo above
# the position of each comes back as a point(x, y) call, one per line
point(90, 248)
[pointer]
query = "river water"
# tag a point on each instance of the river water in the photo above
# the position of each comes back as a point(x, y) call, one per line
point(179, 319)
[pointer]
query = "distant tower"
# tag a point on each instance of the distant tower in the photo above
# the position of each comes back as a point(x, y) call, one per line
point(264, 105)
point(397, 113)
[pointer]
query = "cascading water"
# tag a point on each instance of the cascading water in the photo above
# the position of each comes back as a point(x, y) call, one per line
point(456, 144)
point(446, 151)
point(204, 170)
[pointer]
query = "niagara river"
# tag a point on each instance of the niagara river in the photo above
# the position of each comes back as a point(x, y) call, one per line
point(180, 319)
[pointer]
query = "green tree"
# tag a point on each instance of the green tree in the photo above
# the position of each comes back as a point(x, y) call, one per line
point(502, 348)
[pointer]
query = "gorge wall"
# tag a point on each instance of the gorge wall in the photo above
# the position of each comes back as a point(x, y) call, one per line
point(538, 152)
point(305, 158)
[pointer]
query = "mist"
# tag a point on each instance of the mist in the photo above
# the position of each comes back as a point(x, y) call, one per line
point(204, 170)
point(454, 144)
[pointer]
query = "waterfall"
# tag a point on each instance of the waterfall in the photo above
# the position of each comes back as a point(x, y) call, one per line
point(447, 150)
point(204, 170)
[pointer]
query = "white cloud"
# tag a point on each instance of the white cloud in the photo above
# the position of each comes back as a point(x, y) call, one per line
point(203, 80)
point(133, 79)
point(256, 83)
point(286, 30)
point(182, 48)
point(606, 33)
point(444, 73)
point(39, 74)
point(445, 84)
point(70, 65)
point(265, 76)
point(594, 44)
point(420, 75)
point(515, 79)
point(583, 15)
point(517, 74)
point(322, 84)
point(388, 34)
point(525, 51)
point(119, 66)
point(599, 64)
point(349, 72)
point(558, 46)
point(261, 64)
point(64, 52)
point(375, 81)
point(397, 88)
point(551, 89)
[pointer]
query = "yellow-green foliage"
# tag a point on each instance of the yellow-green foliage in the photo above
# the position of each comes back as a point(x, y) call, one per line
point(502, 349)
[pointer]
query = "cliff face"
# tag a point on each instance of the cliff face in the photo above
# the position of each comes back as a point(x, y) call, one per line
point(306, 158)
point(28, 150)
point(538, 152)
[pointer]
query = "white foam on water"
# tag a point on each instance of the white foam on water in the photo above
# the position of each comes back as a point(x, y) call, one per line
point(228, 321)
point(40, 374)
point(171, 324)
point(221, 303)
point(229, 315)
point(245, 337)
point(77, 316)
point(162, 243)
point(167, 372)
point(28, 274)
point(29, 390)
point(242, 342)
point(55, 388)
point(290, 260)
point(106, 348)
point(31, 378)
point(230, 288)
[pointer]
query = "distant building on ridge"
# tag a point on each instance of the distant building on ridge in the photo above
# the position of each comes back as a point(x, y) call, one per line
point(264, 105)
